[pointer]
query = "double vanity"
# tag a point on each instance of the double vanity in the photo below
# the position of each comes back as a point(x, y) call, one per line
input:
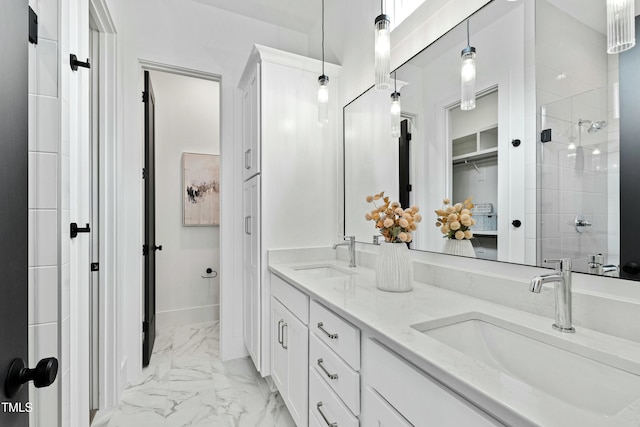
point(344, 353)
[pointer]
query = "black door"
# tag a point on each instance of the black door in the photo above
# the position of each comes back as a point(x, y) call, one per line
point(13, 201)
point(403, 166)
point(629, 161)
point(149, 248)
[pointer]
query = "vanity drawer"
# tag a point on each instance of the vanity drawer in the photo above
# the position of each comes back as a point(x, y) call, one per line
point(323, 403)
point(340, 377)
point(290, 297)
point(338, 334)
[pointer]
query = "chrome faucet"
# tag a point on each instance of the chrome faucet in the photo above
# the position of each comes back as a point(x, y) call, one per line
point(351, 243)
point(596, 265)
point(562, 279)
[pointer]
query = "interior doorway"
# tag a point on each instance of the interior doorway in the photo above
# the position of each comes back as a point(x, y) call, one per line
point(185, 286)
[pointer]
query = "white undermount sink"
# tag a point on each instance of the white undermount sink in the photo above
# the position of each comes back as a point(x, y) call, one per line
point(323, 271)
point(544, 362)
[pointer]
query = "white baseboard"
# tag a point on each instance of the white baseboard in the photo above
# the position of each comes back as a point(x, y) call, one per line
point(186, 316)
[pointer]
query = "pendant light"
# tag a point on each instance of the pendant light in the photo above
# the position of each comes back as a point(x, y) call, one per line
point(621, 28)
point(323, 86)
point(396, 109)
point(468, 76)
point(383, 49)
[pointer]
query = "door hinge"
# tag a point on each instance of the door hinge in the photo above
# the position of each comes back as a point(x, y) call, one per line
point(145, 326)
point(144, 173)
point(145, 250)
point(95, 266)
point(408, 137)
point(409, 188)
point(145, 96)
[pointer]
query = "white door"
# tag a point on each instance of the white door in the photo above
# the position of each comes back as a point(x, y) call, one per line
point(279, 356)
point(251, 126)
point(251, 279)
point(296, 340)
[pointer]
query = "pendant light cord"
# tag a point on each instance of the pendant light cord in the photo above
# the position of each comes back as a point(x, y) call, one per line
point(323, 37)
point(381, 8)
point(468, 40)
point(395, 82)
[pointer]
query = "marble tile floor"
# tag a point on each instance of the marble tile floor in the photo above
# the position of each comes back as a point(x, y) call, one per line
point(186, 384)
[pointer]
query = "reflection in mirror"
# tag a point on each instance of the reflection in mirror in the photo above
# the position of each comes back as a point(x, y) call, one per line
point(543, 154)
point(451, 153)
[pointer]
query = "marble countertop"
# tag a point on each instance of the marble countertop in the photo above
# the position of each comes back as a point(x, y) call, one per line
point(388, 317)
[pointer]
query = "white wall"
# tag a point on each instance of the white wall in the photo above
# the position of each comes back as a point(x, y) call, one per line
point(199, 37)
point(187, 121)
point(48, 215)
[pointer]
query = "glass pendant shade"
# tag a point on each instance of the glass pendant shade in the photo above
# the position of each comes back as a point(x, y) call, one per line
point(323, 100)
point(396, 109)
point(383, 50)
point(621, 28)
point(468, 79)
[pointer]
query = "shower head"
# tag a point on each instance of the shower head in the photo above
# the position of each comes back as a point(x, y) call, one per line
point(593, 126)
point(597, 126)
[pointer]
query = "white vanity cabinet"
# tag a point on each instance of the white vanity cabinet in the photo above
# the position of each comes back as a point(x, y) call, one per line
point(296, 162)
point(290, 348)
point(412, 397)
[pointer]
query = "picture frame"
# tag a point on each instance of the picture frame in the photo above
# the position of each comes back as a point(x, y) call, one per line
point(200, 190)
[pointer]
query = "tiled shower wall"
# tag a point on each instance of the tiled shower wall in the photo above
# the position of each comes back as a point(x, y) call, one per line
point(48, 213)
point(575, 170)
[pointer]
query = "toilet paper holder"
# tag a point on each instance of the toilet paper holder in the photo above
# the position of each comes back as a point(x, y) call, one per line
point(211, 274)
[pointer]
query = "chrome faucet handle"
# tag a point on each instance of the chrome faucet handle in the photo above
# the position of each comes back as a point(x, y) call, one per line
point(351, 239)
point(562, 264)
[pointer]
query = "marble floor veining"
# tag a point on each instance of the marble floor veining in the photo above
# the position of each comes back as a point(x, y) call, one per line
point(186, 384)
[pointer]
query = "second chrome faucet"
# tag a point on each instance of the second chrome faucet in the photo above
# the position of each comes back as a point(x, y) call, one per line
point(350, 241)
point(562, 280)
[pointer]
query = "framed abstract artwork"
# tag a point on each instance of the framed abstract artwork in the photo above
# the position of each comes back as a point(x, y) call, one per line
point(201, 189)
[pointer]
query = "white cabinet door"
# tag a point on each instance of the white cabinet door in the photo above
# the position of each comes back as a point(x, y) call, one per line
point(279, 359)
point(380, 414)
point(296, 341)
point(251, 125)
point(251, 276)
point(290, 361)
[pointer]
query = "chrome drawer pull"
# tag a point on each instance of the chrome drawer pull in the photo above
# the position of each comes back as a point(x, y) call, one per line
point(247, 225)
point(319, 406)
point(331, 376)
point(247, 159)
point(331, 336)
point(285, 346)
point(280, 331)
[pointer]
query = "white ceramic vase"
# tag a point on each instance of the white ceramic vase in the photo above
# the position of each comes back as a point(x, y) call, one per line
point(394, 268)
point(459, 247)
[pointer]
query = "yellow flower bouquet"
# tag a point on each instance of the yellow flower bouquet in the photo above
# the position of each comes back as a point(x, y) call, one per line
point(395, 224)
point(455, 221)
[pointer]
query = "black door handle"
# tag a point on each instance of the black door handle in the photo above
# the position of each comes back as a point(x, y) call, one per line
point(75, 230)
point(43, 375)
point(156, 248)
point(516, 223)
